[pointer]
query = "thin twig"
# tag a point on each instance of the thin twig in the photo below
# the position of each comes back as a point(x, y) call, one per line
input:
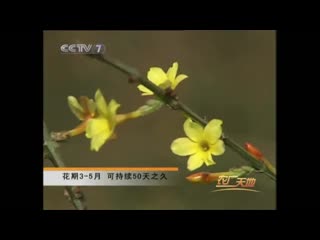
point(176, 104)
point(50, 153)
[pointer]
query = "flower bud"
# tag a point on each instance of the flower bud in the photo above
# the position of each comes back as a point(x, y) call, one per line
point(253, 150)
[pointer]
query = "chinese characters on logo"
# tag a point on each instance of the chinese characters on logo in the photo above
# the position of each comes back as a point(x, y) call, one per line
point(235, 183)
point(223, 181)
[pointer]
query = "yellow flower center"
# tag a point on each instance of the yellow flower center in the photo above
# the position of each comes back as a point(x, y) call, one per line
point(204, 146)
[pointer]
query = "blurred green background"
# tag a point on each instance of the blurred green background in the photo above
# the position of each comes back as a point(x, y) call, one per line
point(231, 77)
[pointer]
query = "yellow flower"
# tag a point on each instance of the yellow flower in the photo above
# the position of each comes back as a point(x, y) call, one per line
point(99, 119)
point(201, 143)
point(101, 128)
point(162, 79)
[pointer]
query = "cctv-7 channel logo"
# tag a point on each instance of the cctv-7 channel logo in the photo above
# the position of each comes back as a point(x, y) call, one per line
point(80, 48)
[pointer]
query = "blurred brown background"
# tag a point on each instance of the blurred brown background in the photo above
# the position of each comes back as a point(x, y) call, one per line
point(231, 77)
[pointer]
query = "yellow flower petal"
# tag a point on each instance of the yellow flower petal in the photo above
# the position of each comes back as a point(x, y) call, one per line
point(178, 80)
point(113, 107)
point(208, 160)
point(184, 147)
point(213, 131)
point(91, 107)
point(218, 148)
point(165, 84)
point(157, 75)
point(172, 72)
point(146, 94)
point(195, 161)
point(145, 90)
point(101, 104)
point(96, 126)
point(76, 108)
point(98, 140)
point(193, 130)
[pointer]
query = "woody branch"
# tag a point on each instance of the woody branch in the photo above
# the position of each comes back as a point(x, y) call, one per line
point(51, 153)
point(174, 103)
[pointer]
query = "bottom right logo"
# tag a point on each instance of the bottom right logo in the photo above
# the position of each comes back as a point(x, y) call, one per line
point(234, 183)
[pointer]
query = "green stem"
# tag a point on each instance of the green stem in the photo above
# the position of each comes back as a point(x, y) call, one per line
point(50, 148)
point(176, 104)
